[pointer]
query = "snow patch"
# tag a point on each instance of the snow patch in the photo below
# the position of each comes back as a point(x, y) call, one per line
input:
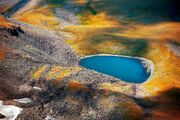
point(23, 100)
point(11, 112)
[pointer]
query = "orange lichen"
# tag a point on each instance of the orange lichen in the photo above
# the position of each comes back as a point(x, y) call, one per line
point(80, 1)
point(3, 8)
point(5, 23)
point(165, 114)
point(131, 110)
point(3, 49)
point(3, 52)
point(75, 85)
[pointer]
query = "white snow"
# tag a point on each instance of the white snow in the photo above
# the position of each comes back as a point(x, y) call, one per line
point(37, 88)
point(23, 100)
point(11, 112)
point(49, 118)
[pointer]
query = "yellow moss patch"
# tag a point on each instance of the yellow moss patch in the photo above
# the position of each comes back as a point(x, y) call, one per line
point(41, 17)
point(99, 20)
point(83, 44)
point(160, 31)
point(52, 72)
point(37, 74)
point(116, 88)
point(66, 71)
point(92, 25)
point(56, 73)
point(167, 69)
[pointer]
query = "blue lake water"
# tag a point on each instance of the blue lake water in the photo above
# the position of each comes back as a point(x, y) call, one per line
point(126, 69)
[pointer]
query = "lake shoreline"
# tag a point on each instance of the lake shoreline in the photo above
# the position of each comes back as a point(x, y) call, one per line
point(148, 64)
